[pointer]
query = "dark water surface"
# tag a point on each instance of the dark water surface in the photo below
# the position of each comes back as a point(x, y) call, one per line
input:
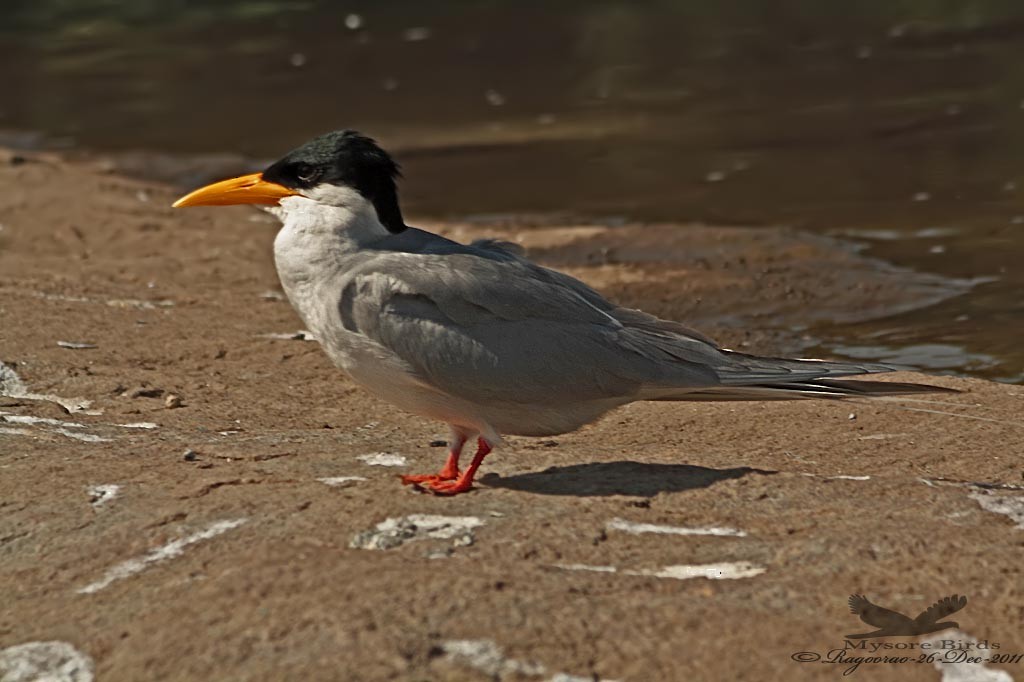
point(899, 125)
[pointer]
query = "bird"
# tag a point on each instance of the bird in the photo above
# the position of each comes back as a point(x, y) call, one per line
point(893, 624)
point(476, 335)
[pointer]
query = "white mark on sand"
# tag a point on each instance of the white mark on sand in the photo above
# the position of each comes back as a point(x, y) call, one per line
point(172, 549)
point(487, 657)
point(60, 427)
point(396, 531)
point(29, 419)
point(45, 662)
point(99, 495)
point(341, 481)
point(838, 477)
point(139, 425)
point(383, 459)
point(723, 571)
point(964, 671)
point(14, 432)
point(10, 382)
point(1006, 505)
point(76, 345)
point(640, 528)
point(113, 303)
point(84, 437)
point(12, 386)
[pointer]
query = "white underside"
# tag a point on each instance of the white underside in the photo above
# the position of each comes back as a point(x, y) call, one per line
point(314, 250)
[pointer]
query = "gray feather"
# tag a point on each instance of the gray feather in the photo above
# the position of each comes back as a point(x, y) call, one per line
point(481, 322)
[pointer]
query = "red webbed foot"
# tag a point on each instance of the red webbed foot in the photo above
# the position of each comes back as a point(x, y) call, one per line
point(450, 472)
point(463, 482)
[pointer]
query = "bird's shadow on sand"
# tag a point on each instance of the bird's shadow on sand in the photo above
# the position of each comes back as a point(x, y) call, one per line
point(639, 479)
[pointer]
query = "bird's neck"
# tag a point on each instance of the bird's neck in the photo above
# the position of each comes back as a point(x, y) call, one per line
point(317, 243)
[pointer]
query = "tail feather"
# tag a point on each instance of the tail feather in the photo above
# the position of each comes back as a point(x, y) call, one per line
point(749, 377)
point(822, 388)
point(743, 370)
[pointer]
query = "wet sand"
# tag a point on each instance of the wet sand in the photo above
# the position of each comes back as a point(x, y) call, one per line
point(215, 510)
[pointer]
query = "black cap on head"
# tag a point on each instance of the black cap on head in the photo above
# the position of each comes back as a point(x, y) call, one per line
point(344, 158)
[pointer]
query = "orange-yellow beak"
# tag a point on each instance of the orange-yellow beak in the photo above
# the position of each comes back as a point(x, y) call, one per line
point(248, 189)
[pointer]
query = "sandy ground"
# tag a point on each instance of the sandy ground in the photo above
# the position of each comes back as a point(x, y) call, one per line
point(213, 502)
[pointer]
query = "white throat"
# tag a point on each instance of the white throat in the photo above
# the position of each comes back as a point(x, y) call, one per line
point(321, 231)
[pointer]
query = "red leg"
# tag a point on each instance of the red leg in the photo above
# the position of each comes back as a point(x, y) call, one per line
point(465, 481)
point(449, 472)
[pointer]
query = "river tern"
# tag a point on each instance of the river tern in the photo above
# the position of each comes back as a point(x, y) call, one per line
point(476, 335)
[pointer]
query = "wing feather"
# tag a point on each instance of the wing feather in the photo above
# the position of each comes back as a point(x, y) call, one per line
point(484, 323)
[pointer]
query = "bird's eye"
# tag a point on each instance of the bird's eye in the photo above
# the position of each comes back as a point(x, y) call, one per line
point(306, 173)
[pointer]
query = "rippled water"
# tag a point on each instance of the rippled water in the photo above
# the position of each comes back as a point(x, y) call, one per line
point(899, 125)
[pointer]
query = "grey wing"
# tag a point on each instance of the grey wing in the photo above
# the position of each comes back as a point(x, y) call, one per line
point(482, 322)
point(497, 330)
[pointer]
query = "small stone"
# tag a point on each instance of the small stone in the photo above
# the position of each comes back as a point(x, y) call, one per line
point(17, 160)
point(172, 401)
point(353, 22)
point(191, 456)
point(438, 443)
point(144, 392)
point(852, 416)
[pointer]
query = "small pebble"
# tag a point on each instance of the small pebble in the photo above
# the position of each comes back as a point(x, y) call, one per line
point(852, 416)
point(172, 401)
point(191, 455)
point(143, 392)
point(438, 443)
point(353, 22)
